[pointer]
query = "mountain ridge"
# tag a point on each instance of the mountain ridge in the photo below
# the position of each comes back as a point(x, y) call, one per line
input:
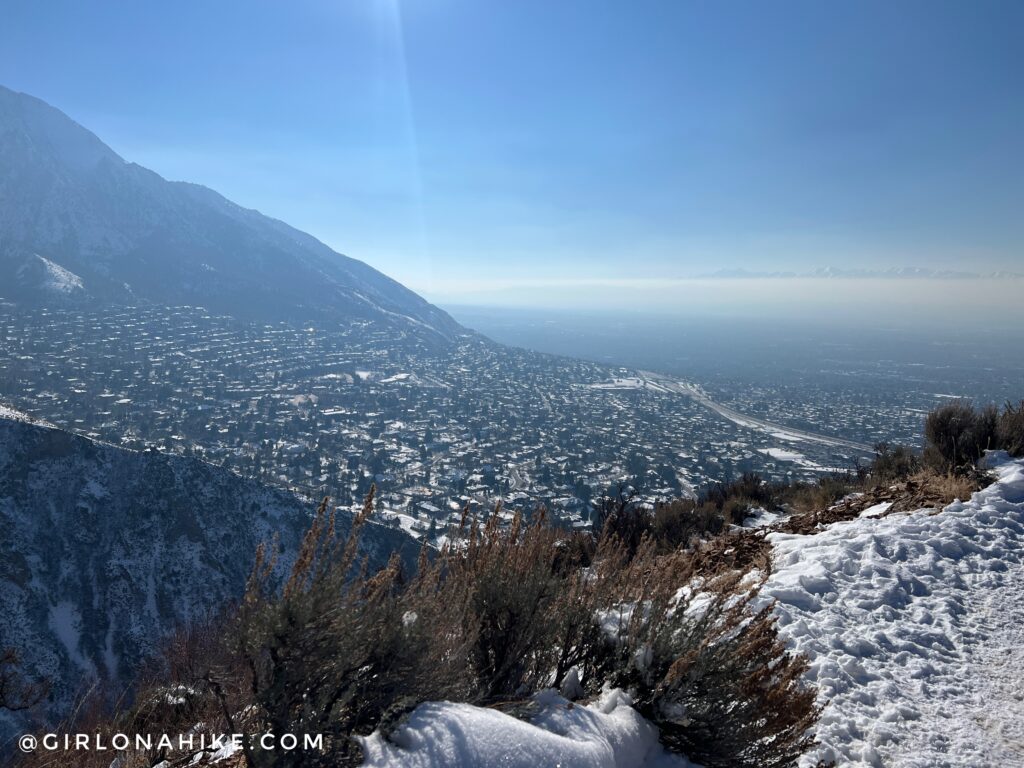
point(127, 235)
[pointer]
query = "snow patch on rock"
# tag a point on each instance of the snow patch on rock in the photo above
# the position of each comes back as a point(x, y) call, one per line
point(7, 412)
point(53, 277)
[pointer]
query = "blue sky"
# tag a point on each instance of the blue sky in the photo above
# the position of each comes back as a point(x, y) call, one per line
point(479, 150)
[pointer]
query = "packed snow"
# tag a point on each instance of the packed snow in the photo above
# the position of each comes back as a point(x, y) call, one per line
point(914, 625)
point(606, 734)
point(759, 517)
point(876, 510)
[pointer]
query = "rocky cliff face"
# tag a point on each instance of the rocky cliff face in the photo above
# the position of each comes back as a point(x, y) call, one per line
point(102, 549)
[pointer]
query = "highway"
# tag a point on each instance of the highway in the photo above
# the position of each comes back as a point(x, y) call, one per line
point(785, 433)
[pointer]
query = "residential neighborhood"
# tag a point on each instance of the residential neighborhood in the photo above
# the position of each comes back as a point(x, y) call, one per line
point(437, 429)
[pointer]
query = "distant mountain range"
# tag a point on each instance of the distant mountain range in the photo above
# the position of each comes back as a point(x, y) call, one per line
point(103, 550)
point(79, 224)
point(920, 273)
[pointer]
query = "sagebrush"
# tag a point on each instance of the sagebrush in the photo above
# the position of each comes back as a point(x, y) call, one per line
point(504, 610)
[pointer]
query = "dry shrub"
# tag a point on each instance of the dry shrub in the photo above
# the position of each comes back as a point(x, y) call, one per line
point(957, 435)
point(575, 550)
point(91, 714)
point(802, 497)
point(624, 519)
point(1010, 429)
point(930, 489)
point(525, 614)
point(925, 489)
point(710, 671)
point(737, 498)
point(745, 550)
point(672, 525)
point(678, 523)
point(508, 610)
point(497, 618)
point(171, 696)
point(893, 462)
point(514, 609)
point(339, 651)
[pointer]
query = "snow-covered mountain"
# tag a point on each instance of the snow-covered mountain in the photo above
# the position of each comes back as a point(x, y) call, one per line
point(79, 223)
point(103, 549)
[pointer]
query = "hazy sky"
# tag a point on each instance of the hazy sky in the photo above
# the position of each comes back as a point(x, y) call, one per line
point(485, 150)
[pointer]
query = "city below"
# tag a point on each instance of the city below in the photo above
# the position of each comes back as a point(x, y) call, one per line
point(437, 426)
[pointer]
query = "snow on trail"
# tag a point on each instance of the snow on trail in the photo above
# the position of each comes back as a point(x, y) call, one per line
point(606, 734)
point(914, 624)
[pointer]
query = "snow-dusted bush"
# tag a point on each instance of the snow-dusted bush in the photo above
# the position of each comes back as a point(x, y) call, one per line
point(958, 434)
point(709, 671)
point(530, 618)
point(344, 653)
point(736, 498)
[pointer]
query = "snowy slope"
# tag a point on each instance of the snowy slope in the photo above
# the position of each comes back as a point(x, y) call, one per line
point(45, 277)
point(102, 549)
point(915, 627)
point(7, 412)
point(606, 734)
